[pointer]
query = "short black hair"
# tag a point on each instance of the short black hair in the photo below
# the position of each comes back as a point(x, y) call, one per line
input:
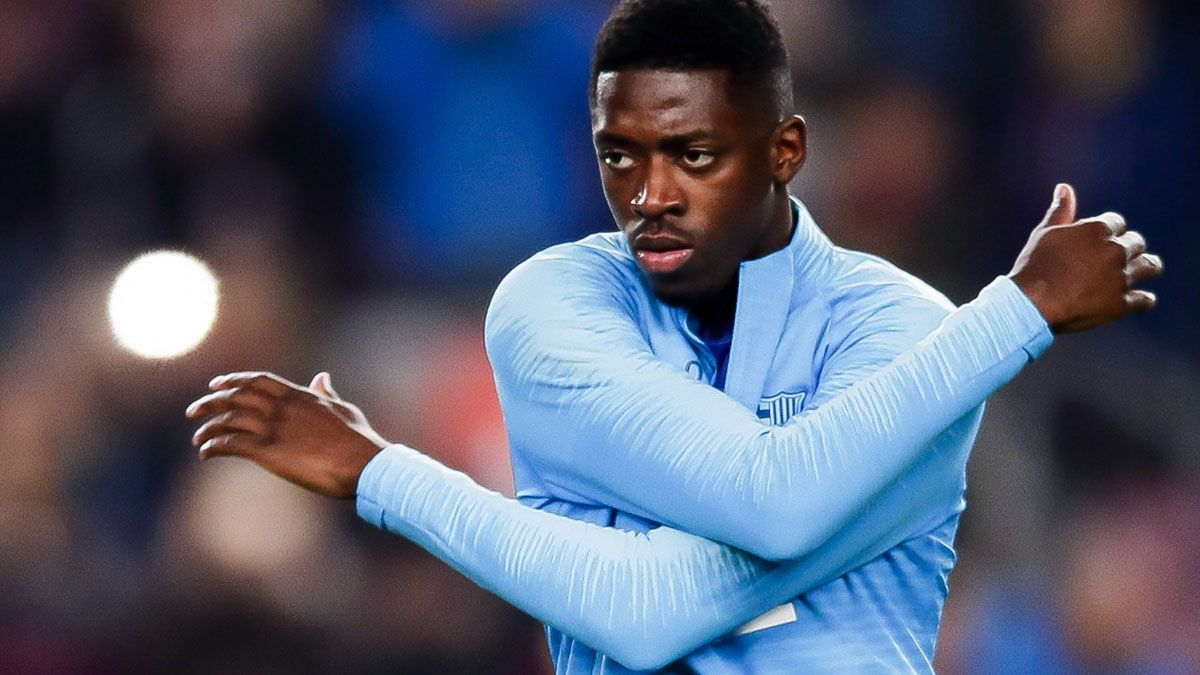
point(740, 36)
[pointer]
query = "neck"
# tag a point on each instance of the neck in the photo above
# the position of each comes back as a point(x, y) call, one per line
point(716, 312)
point(780, 224)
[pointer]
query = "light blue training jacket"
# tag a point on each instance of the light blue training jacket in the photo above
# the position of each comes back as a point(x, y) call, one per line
point(816, 497)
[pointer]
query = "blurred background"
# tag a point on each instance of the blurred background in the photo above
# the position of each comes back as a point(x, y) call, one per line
point(359, 175)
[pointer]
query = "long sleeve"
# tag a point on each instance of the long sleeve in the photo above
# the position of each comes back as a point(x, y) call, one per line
point(600, 415)
point(644, 599)
point(647, 599)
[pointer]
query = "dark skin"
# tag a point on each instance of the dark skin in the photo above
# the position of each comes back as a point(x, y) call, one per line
point(697, 180)
point(687, 164)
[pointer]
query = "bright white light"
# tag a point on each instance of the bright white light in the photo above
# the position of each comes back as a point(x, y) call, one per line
point(163, 304)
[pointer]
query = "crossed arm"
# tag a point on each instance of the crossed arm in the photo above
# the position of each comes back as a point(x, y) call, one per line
point(835, 488)
point(599, 413)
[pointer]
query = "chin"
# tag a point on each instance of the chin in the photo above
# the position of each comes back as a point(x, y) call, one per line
point(681, 293)
point(674, 299)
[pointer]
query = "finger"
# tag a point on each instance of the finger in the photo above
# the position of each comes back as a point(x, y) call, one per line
point(1114, 221)
point(228, 445)
point(1062, 209)
point(1133, 242)
point(1141, 268)
point(230, 399)
point(268, 383)
point(232, 422)
point(1140, 301)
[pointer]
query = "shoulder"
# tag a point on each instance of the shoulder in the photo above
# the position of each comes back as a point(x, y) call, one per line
point(860, 284)
point(596, 262)
point(869, 296)
point(593, 275)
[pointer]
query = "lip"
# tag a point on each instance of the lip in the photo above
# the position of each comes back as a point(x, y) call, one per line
point(664, 262)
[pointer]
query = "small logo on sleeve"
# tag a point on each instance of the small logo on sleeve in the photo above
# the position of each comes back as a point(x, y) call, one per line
point(780, 408)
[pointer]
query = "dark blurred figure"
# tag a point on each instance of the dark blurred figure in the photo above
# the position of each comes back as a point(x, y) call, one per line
point(1109, 104)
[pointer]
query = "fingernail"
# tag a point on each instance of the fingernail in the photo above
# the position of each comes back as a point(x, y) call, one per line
point(1060, 191)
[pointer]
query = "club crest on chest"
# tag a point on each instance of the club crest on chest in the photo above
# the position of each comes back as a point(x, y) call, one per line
point(778, 409)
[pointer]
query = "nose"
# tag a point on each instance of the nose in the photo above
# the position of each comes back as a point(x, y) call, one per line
point(660, 194)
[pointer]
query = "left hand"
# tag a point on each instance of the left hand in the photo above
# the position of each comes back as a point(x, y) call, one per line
point(306, 435)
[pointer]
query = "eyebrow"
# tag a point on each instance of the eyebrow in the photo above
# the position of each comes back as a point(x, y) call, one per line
point(669, 143)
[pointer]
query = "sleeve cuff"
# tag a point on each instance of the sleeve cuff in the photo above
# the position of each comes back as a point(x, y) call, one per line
point(373, 483)
point(1018, 314)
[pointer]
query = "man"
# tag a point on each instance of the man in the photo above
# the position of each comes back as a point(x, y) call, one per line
point(730, 412)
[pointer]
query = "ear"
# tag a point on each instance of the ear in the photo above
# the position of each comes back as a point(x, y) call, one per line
point(789, 148)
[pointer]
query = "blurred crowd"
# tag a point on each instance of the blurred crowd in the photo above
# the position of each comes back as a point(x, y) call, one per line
point(360, 174)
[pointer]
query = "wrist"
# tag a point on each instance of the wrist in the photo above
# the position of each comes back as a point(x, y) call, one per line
point(366, 449)
point(1039, 293)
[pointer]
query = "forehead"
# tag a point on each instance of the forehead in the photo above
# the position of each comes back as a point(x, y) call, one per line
point(666, 102)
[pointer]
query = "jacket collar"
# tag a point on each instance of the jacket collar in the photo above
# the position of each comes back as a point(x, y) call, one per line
point(768, 288)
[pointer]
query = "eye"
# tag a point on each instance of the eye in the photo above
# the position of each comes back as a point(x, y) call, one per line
point(698, 159)
point(617, 160)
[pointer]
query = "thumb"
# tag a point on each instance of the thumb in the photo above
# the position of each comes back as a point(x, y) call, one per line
point(322, 385)
point(327, 384)
point(1062, 209)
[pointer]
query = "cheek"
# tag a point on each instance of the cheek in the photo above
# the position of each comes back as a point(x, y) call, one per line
point(615, 193)
point(751, 196)
point(729, 208)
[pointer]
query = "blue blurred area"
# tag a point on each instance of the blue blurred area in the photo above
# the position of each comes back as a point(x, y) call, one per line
point(361, 174)
point(470, 133)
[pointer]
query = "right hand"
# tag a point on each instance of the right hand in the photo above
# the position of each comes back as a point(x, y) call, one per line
point(1081, 274)
point(307, 435)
